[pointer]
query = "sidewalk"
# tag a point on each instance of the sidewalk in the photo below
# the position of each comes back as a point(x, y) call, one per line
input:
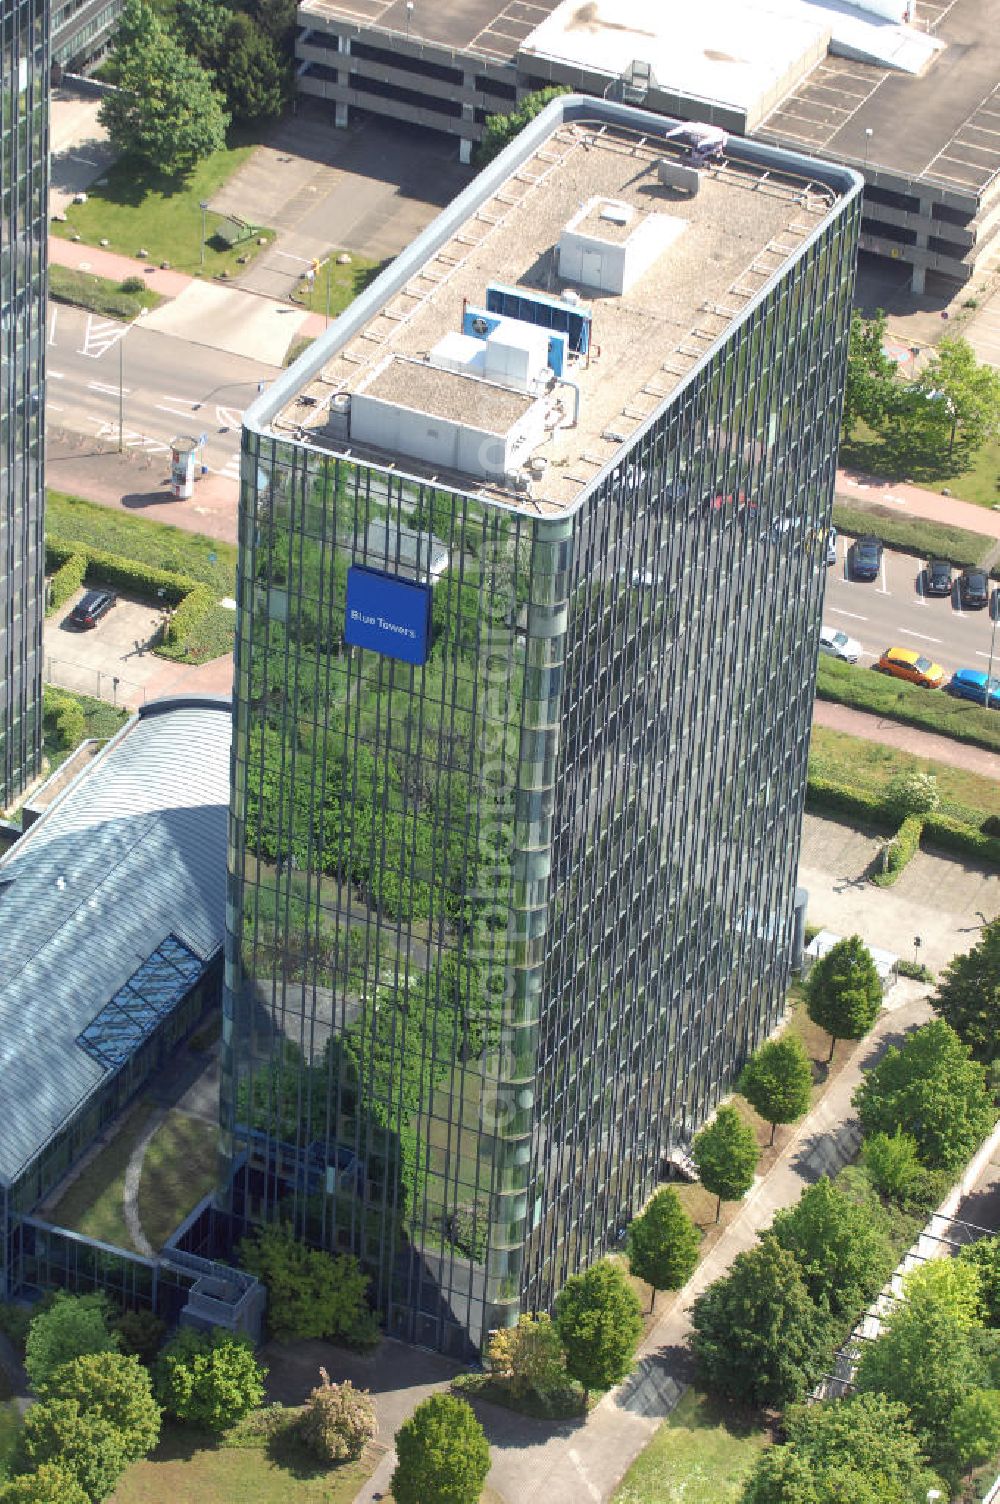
point(568, 1463)
point(874, 728)
point(905, 498)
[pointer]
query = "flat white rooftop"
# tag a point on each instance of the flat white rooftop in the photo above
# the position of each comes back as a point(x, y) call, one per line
point(736, 233)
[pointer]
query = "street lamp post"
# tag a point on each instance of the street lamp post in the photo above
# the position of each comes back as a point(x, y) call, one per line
point(409, 17)
point(995, 614)
point(868, 141)
point(121, 380)
point(203, 206)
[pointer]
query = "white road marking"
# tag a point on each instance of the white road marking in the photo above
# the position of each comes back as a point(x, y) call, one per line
point(52, 323)
point(981, 654)
point(56, 375)
point(885, 586)
point(908, 632)
point(184, 401)
point(852, 614)
point(100, 335)
point(177, 412)
point(306, 260)
point(111, 391)
point(54, 407)
point(229, 417)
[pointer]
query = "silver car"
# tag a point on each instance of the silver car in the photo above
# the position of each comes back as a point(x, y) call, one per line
point(837, 644)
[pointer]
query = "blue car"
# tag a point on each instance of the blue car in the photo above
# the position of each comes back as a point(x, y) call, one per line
point(970, 684)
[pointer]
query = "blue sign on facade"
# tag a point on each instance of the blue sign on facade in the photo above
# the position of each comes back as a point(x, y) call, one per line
point(387, 615)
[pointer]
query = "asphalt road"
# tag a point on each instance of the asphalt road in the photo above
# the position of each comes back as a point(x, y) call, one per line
point(892, 611)
point(170, 387)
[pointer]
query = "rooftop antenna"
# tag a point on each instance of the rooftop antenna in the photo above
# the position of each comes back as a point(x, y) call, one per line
point(409, 17)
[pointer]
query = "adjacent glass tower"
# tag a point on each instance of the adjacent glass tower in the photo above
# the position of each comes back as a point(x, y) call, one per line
point(506, 922)
point(24, 87)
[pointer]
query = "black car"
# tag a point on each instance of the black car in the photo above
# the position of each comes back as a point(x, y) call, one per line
point(937, 577)
point(866, 557)
point(88, 611)
point(974, 588)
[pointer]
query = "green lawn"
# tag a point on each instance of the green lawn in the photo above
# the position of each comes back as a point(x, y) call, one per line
point(178, 1170)
point(700, 1455)
point(135, 208)
point(343, 282)
point(869, 767)
point(73, 520)
point(972, 475)
point(93, 1203)
point(116, 300)
point(930, 709)
point(188, 1466)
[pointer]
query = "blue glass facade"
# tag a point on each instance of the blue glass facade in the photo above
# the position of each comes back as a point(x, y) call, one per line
point(505, 924)
point(24, 85)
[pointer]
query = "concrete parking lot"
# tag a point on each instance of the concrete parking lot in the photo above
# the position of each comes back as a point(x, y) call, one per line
point(117, 649)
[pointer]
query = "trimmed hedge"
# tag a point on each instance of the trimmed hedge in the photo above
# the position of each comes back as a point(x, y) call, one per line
point(190, 614)
point(911, 535)
point(930, 709)
point(951, 835)
point(901, 850)
point(65, 581)
point(825, 796)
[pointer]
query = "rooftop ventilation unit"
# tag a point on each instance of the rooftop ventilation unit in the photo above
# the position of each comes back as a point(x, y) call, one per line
point(545, 311)
point(608, 245)
point(480, 325)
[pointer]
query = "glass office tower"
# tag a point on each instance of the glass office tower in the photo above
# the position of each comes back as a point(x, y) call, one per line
point(24, 85)
point(511, 902)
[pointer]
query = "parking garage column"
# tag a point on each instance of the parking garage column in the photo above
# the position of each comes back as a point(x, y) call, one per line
point(468, 113)
point(343, 82)
point(919, 278)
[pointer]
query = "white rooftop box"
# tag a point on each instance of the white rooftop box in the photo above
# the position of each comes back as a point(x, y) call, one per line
point(517, 354)
point(609, 244)
point(459, 352)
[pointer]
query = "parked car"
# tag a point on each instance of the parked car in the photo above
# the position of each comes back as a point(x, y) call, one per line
point(866, 557)
point(91, 607)
point(937, 577)
point(904, 663)
point(831, 546)
point(974, 588)
point(970, 684)
point(837, 644)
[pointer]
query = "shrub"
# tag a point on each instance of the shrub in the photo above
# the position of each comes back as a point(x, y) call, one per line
point(208, 1379)
point(952, 835)
point(900, 851)
point(132, 284)
point(894, 1168)
point(500, 130)
point(72, 1326)
point(189, 614)
point(528, 1356)
point(338, 1421)
point(443, 1454)
point(15, 1322)
point(913, 793)
point(824, 793)
point(310, 1293)
point(66, 581)
point(82, 1443)
point(116, 1388)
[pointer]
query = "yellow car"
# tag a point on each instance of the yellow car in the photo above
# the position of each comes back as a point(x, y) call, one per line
point(905, 664)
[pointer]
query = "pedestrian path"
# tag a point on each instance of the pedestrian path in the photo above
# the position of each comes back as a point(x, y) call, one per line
point(875, 728)
point(917, 501)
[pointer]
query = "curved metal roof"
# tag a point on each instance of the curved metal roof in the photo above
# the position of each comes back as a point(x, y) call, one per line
point(132, 853)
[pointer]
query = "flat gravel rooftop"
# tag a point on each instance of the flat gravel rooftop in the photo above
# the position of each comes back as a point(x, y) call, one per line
point(741, 227)
point(943, 125)
point(478, 26)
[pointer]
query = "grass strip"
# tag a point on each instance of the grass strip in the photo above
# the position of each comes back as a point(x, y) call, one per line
point(115, 300)
point(911, 535)
point(93, 1203)
point(335, 286)
point(702, 1454)
point(930, 709)
point(179, 1168)
point(73, 520)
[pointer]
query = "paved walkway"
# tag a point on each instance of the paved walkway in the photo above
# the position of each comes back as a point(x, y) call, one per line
point(917, 502)
point(876, 728)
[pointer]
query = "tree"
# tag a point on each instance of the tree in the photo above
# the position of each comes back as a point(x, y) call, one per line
point(443, 1455)
point(968, 995)
point(529, 1356)
point(930, 1357)
point(72, 1326)
point(984, 1255)
point(842, 1249)
point(726, 1154)
point(859, 1448)
point(777, 1081)
point(209, 1379)
point(757, 1335)
point(663, 1244)
point(932, 1089)
point(338, 1421)
point(500, 130)
point(201, 27)
point(80, 1442)
point(599, 1321)
point(870, 386)
point(116, 1388)
point(251, 74)
point(165, 111)
point(49, 1484)
point(976, 1428)
point(309, 1293)
point(894, 1169)
point(844, 991)
point(138, 28)
point(968, 394)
